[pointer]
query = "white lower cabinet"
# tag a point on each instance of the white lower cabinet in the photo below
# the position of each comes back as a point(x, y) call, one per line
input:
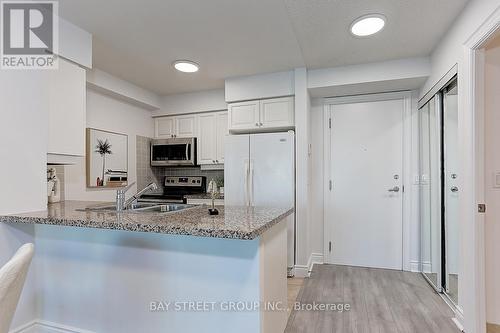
point(262, 115)
point(212, 128)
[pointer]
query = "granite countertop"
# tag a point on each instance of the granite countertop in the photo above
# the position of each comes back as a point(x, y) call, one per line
point(204, 196)
point(232, 222)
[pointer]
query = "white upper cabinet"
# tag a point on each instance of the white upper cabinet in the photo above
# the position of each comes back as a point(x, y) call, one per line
point(277, 112)
point(244, 115)
point(164, 127)
point(175, 127)
point(207, 140)
point(185, 126)
point(222, 132)
point(67, 113)
point(212, 130)
point(262, 115)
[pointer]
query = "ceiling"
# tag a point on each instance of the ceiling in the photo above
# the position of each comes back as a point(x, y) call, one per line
point(138, 41)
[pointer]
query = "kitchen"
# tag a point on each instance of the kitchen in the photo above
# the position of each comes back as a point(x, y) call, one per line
point(183, 171)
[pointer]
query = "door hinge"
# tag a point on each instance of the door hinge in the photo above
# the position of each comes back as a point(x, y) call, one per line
point(330, 123)
point(330, 185)
point(329, 246)
point(481, 208)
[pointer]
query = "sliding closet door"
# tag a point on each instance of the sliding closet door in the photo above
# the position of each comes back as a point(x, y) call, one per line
point(451, 190)
point(430, 192)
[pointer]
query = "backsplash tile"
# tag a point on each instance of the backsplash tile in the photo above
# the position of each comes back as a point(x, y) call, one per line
point(147, 174)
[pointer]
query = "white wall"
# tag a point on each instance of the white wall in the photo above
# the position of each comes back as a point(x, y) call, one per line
point(23, 154)
point(492, 166)
point(107, 113)
point(395, 75)
point(124, 90)
point(260, 86)
point(202, 101)
point(75, 43)
point(302, 182)
point(317, 179)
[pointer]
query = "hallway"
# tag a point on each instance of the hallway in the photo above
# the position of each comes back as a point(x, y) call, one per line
point(382, 301)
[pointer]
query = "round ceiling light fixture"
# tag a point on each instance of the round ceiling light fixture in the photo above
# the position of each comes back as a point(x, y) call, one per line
point(186, 66)
point(368, 25)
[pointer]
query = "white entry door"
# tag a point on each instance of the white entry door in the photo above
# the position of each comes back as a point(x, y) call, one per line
point(364, 210)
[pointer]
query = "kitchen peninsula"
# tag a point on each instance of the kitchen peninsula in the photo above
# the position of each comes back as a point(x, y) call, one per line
point(96, 269)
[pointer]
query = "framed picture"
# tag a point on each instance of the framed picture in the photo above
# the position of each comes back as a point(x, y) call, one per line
point(107, 159)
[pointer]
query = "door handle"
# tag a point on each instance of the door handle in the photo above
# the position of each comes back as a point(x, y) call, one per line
point(454, 189)
point(394, 189)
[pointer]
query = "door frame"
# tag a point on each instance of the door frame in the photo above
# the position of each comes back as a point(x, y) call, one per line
point(471, 107)
point(406, 97)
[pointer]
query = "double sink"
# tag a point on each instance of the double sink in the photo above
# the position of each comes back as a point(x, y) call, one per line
point(141, 207)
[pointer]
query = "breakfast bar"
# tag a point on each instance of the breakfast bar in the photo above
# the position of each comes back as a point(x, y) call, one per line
point(183, 271)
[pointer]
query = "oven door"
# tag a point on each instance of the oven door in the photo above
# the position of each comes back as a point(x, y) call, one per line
point(173, 152)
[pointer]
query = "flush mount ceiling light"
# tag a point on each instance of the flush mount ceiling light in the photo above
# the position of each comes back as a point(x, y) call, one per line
point(186, 66)
point(368, 25)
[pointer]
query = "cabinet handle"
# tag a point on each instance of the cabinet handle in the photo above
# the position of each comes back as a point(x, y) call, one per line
point(257, 124)
point(261, 124)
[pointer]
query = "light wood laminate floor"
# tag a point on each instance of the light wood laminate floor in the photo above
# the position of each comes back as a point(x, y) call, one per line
point(381, 301)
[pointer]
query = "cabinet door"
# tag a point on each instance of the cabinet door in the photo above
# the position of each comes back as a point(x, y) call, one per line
point(277, 112)
point(207, 145)
point(67, 110)
point(164, 127)
point(185, 126)
point(244, 115)
point(221, 132)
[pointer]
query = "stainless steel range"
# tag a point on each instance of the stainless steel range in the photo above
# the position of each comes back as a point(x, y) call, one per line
point(175, 188)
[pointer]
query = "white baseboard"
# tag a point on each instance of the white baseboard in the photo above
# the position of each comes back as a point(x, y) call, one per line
point(315, 258)
point(415, 266)
point(305, 270)
point(43, 326)
point(301, 271)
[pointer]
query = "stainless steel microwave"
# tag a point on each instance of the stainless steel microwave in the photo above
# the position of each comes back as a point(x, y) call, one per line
point(173, 152)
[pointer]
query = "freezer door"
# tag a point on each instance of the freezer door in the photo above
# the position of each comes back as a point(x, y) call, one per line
point(236, 170)
point(272, 171)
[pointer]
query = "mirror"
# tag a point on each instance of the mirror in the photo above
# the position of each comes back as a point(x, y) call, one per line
point(430, 206)
point(451, 188)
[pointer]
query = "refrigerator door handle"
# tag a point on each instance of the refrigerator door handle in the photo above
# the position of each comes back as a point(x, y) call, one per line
point(247, 174)
point(250, 199)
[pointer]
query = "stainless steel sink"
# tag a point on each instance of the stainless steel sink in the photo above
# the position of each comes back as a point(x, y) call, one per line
point(141, 207)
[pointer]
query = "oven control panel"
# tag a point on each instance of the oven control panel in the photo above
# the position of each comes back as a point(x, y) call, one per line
point(176, 181)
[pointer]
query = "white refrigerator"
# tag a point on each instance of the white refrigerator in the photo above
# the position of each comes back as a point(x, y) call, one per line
point(259, 170)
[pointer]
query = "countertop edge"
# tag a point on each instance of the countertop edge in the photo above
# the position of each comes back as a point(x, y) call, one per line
point(138, 227)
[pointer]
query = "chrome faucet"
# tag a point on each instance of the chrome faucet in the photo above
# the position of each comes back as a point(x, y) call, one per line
point(122, 204)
